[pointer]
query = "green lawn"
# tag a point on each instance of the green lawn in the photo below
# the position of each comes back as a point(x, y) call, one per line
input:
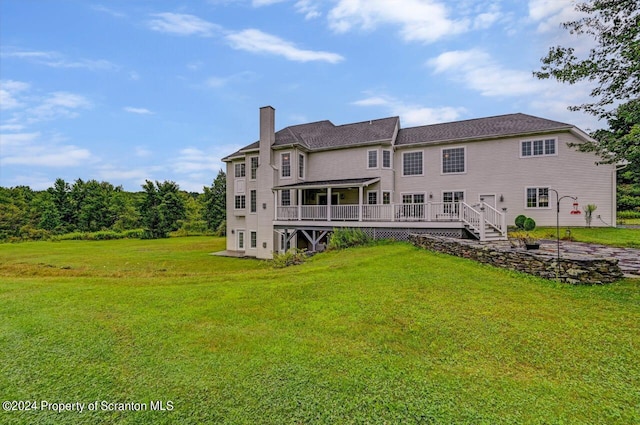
point(623, 237)
point(382, 334)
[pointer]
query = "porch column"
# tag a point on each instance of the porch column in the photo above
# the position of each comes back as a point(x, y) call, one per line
point(360, 191)
point(328, 204)
point(275, 204)
point(299, 200)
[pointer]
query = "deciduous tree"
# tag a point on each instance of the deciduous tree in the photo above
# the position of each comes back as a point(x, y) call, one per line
point(614, 62)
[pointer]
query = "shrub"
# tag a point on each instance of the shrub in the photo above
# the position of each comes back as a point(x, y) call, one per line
point(221, 230)
point(628, 214)
point(529, 224)
point(292, 257)
point(520, 221)
point(345, 238)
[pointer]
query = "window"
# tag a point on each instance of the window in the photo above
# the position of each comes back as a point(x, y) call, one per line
point(450, 198)
point(413, 198)
point(254, 240)
point(285, 198)
point(301, 166)
point(240, 202)
point(537, 197)
point(285, 162)
point(412, 164)
point(372, 159)
point(240, 170)
point(372, 198)
point(453, 160)
point(254, 201)
point(254, 167)
point(542, 147)
point(386, 198)
point(386, 159)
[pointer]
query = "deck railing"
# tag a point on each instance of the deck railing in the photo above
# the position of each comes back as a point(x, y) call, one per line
point(431, 211)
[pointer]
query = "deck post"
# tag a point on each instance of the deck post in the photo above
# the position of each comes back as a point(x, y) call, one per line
point(328, 203)
point(299, 199)
point(360, 190)
point(482, 226)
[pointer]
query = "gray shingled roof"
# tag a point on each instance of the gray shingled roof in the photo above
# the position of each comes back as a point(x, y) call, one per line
point(325, 135)
point(502, 125)
point(364, 181)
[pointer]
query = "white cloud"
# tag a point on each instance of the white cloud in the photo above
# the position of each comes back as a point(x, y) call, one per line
point(259, 3)
point(9, 89)
point(58, 60)
point(411, 114)
point(308, 8)
point(216, 82)
point(551, 13)
point(57, 105)
point(108, 11)
point(139, 111)
point(182, 24)
point(419, 20)
point(478, 71)
point(142, 152)
point(256, 41)
point(31, 149)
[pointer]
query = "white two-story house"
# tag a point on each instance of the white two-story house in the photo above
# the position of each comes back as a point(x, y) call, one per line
point(462, 179)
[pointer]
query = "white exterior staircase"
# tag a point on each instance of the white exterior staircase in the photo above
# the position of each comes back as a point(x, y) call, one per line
point(484, 222)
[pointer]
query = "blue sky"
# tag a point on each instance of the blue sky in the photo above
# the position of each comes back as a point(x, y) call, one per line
point(128, 90)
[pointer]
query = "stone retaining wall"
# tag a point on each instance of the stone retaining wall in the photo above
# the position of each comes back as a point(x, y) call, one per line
point(574, 269)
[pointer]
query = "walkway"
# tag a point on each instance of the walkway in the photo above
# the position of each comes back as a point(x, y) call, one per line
point(628, 258)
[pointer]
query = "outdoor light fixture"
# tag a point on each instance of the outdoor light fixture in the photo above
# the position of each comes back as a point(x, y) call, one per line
point(264, 205)
point(430, 195)
point(501, 198)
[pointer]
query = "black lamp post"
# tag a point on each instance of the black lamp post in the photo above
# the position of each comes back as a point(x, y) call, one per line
point(558, 199)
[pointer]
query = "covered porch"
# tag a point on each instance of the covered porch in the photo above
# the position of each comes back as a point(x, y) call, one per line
point(353, 202)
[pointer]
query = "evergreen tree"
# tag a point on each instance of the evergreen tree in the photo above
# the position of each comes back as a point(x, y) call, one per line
point(215, 201)
point(162, 208)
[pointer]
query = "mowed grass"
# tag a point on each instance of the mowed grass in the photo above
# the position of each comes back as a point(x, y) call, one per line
point(614, 236)
point(381, 334)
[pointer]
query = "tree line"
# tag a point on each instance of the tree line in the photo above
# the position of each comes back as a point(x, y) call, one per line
point(84, 207)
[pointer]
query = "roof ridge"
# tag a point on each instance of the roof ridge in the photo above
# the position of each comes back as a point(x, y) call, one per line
point(488, 118)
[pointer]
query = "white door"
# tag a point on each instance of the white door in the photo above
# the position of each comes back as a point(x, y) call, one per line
point(489, 199)
point(240, 240)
